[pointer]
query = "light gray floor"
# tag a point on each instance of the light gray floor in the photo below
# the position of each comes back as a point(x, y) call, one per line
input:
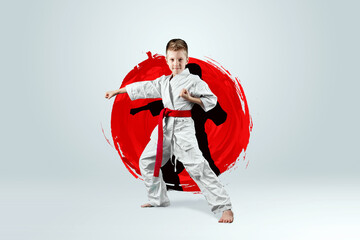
point(110, 211)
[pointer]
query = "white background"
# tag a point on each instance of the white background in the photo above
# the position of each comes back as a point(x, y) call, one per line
point(298, 64)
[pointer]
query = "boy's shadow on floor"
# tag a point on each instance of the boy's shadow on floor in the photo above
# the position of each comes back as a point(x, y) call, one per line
point(199, 205)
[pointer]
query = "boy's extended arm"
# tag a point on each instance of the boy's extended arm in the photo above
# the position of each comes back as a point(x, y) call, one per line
point(110, 94)
point(186, 95)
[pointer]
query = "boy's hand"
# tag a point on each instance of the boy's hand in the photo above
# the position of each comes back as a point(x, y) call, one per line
point(185, 94)
point(110, 94)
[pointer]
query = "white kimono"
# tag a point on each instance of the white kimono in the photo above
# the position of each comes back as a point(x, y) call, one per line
point(179, 138)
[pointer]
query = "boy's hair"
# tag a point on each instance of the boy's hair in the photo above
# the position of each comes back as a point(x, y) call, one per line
point(176, 45)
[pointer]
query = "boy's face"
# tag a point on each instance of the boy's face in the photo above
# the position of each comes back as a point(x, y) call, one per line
point(176, 60)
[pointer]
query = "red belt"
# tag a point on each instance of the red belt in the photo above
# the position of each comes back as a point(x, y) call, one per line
point(159, 153)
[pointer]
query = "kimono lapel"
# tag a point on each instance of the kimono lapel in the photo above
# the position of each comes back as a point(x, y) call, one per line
point(171, 86)
point(167, 96)
point(178, 79)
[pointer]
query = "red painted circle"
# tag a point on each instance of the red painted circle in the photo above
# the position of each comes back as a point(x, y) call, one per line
point(227, 141)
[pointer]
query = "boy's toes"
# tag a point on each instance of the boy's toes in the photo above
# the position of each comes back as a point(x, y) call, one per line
point(146, 205)
point(227, 217)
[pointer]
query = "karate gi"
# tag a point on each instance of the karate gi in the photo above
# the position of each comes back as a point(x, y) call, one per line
point(179, 138)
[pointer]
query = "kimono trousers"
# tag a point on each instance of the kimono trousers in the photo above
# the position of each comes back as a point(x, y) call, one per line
point(179, 139)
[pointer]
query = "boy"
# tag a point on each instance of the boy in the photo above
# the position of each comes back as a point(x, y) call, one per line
point(175, 133)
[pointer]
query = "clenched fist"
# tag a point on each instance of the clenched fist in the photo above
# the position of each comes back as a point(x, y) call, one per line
point(185, 94)
point(110, 94)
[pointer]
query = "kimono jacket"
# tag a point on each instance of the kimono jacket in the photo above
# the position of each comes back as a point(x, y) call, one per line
point(179, 132)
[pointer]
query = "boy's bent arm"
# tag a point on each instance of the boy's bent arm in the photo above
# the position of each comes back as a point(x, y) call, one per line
point(201, 90)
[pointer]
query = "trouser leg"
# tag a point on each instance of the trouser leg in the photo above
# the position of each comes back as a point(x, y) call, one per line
point(209, 184)
point(155, 186)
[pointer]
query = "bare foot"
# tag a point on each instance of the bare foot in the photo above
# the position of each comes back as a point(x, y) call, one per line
point(227, 217)
point(146, 205)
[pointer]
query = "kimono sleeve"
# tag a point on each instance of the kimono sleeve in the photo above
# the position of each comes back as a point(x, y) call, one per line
point(202, 91)
point(145, 89)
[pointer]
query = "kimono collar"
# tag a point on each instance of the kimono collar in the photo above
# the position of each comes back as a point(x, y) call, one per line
point(182, 74)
